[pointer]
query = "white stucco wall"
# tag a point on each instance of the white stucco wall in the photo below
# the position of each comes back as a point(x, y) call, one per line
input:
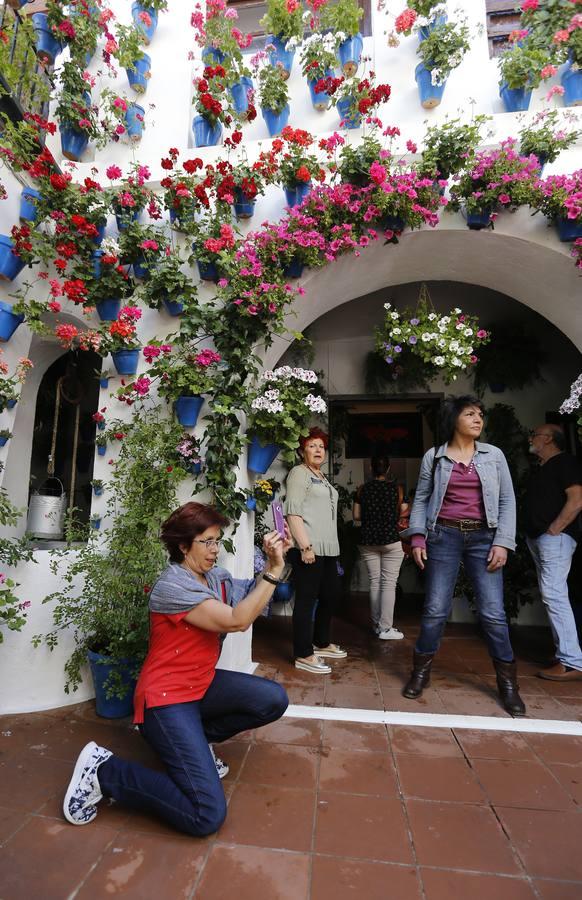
point(522, 259)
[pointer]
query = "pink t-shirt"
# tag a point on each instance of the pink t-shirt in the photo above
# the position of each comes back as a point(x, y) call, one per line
point(463, 498)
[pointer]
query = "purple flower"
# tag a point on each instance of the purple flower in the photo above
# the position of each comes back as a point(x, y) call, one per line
point(397, 349)
point(389, 360)
point(412, 339)
point(414, 321)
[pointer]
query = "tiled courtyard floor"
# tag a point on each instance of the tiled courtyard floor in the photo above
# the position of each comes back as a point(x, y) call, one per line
point(323, 809)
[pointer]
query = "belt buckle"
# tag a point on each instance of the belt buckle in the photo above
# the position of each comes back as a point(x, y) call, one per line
point(466, 524)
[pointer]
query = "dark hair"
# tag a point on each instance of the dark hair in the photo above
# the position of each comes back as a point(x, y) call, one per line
point(380, 465)
point(558, 436)
point(452, 409)
point(186, 523)
point(313, 434)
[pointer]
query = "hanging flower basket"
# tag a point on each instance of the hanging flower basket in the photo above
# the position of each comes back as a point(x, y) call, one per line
point(212, 56)
point(28, 207)
point(320, 100)
point(147, 31)
point(296, 193)
point(515, 99)
point(10, 264)
point(134, 122)
point(173, 307)
point(251, 503)
point(205, 133)
point(275, 121)
point(425, 30)
point(569, 229)
point(348, 113)
point(108, 310)
point(350, 53)
point(3, 440)
point(47, 46)
point(279, 56)
point(101, 449)
point(95, 522)
point(73, 143)
point(261, 456)
point(139, 74)
point(294, 269)
point(572, 83)
point(187, 410)
point(125, 361)
point(101, 669)
point(125, 217)
point(9, 321)
point(243, 207)
point(240, 95)
point(478, 220)
point(430, 94)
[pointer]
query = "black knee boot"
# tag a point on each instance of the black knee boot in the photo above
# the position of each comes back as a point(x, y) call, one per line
point(508, 687)
point(420, 676)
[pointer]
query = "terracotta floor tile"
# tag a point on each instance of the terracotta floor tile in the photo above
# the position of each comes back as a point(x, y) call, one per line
point(547, 841)
point(392, 679)
point(423, 741)
point(556, 748)
point(353, 697)
point(572, 706)
point(430, 702)
point(284, 765)
point(542, 706)
point(18, 732)
point(493, 744)
point(306, 732)
point(146, 865)
point(380, 832)
point(557, 890)
point(444, 884)
point(570, 777)
point(26, 782)
point(354, 772)
point(307, 696)
point(439, 778)
point(560, 688)
point(460, 836)
point(234, 754)
point(354, 675)
point(345, 879)
point(475, 702)
point(10, 821)
point(355, 736)
point(245, 873)
point(265, 816)
point(461, 681)
point(525, 783)
point(28, 862)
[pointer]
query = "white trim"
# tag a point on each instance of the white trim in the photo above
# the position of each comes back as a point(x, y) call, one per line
point(435, 720)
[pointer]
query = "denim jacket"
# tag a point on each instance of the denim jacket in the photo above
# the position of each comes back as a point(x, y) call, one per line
point(498, 496)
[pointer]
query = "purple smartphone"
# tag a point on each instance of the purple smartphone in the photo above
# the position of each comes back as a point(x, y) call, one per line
point(278, 518)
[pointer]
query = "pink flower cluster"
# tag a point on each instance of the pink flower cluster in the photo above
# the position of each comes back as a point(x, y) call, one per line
point(207, 358)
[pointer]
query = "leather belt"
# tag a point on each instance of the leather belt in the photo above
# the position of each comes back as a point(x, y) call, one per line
point(463, 524)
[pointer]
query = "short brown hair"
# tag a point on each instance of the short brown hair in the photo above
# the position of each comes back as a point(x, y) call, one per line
point(314, 434)
point(185, 524)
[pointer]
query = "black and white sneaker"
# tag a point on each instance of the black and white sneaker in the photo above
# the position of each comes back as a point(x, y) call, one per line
point(84, 793)
point(221, 766)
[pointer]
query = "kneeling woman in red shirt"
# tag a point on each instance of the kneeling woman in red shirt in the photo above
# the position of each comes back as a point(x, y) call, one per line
point(182, 702)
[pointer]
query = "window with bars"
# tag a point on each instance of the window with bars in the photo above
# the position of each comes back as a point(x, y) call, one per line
point(502, 18)
point(250, 12)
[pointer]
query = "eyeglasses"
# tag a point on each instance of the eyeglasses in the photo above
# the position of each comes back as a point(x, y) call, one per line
point(209, 543)
point(533, 434)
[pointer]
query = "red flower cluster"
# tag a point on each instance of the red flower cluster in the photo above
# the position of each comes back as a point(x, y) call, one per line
point(297, 136)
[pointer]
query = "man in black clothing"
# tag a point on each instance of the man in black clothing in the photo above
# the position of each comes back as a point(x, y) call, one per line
point(553, 503)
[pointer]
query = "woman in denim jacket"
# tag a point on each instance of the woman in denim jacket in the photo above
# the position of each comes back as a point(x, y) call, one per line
point(464, 511)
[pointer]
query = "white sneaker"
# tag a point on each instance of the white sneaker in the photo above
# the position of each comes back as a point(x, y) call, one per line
point(392, 634)
point(221, 766)
point(84, 792)
point(318, 666)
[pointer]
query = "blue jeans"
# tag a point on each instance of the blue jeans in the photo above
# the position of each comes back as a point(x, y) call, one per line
point(188, 795)
point(446, 548)
point(552, 555)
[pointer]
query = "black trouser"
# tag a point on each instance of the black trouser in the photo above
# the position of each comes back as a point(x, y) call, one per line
point(316, 587)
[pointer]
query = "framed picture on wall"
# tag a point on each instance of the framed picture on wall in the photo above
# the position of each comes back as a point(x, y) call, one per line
point(396, 434)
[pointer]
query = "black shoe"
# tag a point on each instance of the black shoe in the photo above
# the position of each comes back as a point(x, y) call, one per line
point(420, 676)
point(508, 687)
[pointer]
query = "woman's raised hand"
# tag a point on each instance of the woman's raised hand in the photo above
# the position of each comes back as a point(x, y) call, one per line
point(276, 547)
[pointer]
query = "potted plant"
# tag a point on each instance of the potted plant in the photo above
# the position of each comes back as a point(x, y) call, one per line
point(184, 375)
point(248, 181)
point(297, 167)
point(122, 116)
point(145, 17)
point(284, 22)
point(520, 70)
point(449, 148)
point(101, 444)
point(559, 198)
point(512, 359)
point(555, 27)
point(48, 45)
point(447, 344)
point(130, 56)
point(545, 138)
point(95, 521)
point(427, 15)
point(355, 97)
point(188, 452)
point(355, 160)
point(98, 486)
point(144, 246)
point(441, 52)
point(130, 196)
point(121, 340)
point(79, 28)
point(212, 102)
point(215, 243)
point(279, 410)
point(170, 288)
point(110, 284)
point(273, 98)
point(78, 119)
point(495, 178)
point(5, 435)
point(262, 494)
point(317, 58)
point(343, 21)
point(184, 191)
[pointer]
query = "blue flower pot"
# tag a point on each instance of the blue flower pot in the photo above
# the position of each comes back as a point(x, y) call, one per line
point(275, 121)
point(101, 449)
point(73, 143)
point(349, 117)
point(206, 134)
point(173, 307)
point(96, 264)
point(108, 310)
point(349, 54)
point(9, 321)
point(104, 383)
point(212, 56)
point(125, 217)
point(101, 425)
point(141, 269)
point(515, 99)
point(10, 264)
point(240, 95)
point(125, 361)
point(195, 468)
point(296, 193)
point(280, 57)
point(101, 668)
point(319, 99)
point(47, 46)
point(147, 31)
point(425, 30)
point(10, 404)
point(283, 592)
point(392, 223)
point(139, 74)
point(243, 207)
point(95, 524)
point(97, 491)
point(569, 229)
point(207, 271)
point(261, 456)
point(3, 440)
point(430, 94)
point(187, 410)
point(294, 269)
point(134, 122)
point(98, 239)
point(478, 220)
point(28, 207)
point(572, 83)
point(184, 217)
point(251, 503)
